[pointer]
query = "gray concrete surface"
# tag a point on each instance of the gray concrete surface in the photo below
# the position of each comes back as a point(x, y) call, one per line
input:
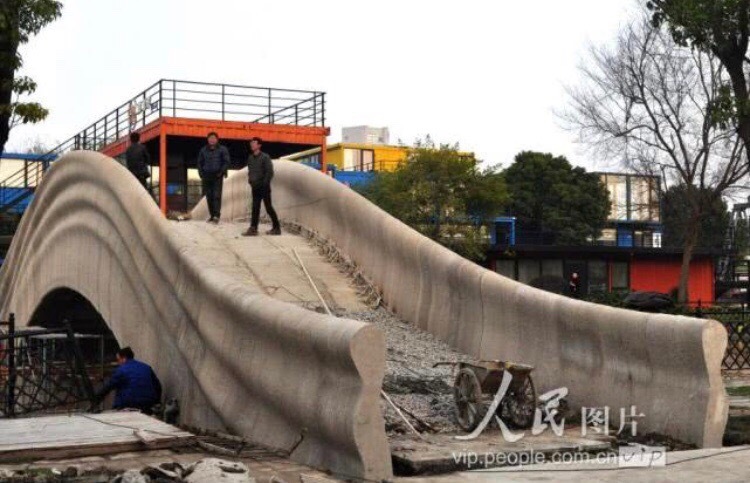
point(669, 367)
point(695, 466)
point(236, 358)
point(268, 265)
point(443, 453)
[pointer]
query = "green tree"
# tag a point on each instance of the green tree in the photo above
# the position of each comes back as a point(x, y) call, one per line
point(443, 194)
point(721, 28)
point(19, 20)
point(676, 217)
point(547, 194)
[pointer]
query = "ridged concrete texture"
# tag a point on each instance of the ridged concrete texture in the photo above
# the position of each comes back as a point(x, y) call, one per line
point(236, 358)
point(669, 367)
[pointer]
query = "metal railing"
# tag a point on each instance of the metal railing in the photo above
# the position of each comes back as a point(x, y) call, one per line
point(41, 370)
point(524, 237)
point(181, 99)
point(204, 100)
point(737, 322)
point(20, 185)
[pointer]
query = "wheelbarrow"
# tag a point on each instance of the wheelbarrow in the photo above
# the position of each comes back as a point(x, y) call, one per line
point(477, 382)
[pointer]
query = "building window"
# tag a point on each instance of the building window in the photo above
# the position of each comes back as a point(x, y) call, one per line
point(633, 197)
point(528, 270)
point(644, 196)
point(597, 276)
point(552, 267)
point(352, 159)
point(620, 276)
point(639, 238)
point(608, 237)
point(359, 159)
point(646, 238)
point(617, 186)
point(624, 237)
point(368, 160)
point(310, 159)
point(506, 268)
point(657, 239)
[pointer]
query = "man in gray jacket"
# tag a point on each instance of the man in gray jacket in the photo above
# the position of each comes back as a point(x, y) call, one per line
point(213, 163)
point(259, 175)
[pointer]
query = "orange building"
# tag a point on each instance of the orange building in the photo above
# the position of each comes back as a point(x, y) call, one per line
point(174, 118)
point(609, 269)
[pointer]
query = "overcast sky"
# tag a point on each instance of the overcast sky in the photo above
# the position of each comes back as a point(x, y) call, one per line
point(487, 74)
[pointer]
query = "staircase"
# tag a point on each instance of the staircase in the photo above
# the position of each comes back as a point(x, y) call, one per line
point(17, 190)
point(732, 271)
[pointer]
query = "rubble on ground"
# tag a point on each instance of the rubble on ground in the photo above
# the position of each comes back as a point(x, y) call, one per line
point(204, 470)
point(410, 379)
point(214, 469)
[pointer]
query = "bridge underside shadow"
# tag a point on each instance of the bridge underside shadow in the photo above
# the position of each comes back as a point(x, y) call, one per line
point(66, 305)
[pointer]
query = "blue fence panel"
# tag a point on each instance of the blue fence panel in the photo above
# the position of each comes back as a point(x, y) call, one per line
point(354, 178)
point(9, 194)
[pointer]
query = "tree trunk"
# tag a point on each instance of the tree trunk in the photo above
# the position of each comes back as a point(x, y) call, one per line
point(6, 97)
point(8, 50)
point(437, 227)
point(734, 63)
point(691, 239)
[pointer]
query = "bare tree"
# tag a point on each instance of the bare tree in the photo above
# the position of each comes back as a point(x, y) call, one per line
point(656, 107)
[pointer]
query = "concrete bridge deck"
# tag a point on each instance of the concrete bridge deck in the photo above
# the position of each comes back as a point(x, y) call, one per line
point(268, 264)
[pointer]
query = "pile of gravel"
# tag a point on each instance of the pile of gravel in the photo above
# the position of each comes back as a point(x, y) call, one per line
point(410, 380)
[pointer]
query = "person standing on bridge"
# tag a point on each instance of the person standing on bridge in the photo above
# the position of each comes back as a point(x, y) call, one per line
point(138, 160)
point(213, 163)
point(259, 175)
point(135, 383)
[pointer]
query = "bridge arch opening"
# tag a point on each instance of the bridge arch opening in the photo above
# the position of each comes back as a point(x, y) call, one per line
point(97, 342)
point(64, 304)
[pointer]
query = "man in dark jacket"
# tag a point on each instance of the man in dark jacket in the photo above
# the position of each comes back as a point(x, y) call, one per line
point(135, 382)
point(213, 163)
point(138, 160)
point(259, 175)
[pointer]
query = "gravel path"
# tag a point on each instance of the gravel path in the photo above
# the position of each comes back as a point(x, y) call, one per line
point(410, 379)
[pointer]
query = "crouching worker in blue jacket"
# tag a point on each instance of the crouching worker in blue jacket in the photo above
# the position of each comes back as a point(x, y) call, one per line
point(135, 383)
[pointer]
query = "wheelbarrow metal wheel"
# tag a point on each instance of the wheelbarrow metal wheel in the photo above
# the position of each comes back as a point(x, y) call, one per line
point(467, 393)
point(518, 406)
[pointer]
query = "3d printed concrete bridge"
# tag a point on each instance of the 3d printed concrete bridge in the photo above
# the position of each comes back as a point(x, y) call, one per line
point(291, 378)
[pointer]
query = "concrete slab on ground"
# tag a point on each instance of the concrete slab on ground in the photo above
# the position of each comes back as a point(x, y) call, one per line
point(85, 435)
point(442, 453)
point(699, 466)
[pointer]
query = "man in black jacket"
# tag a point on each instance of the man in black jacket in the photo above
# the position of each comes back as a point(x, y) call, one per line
point(259, 175)
point(213, 163)
point(138, 160)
